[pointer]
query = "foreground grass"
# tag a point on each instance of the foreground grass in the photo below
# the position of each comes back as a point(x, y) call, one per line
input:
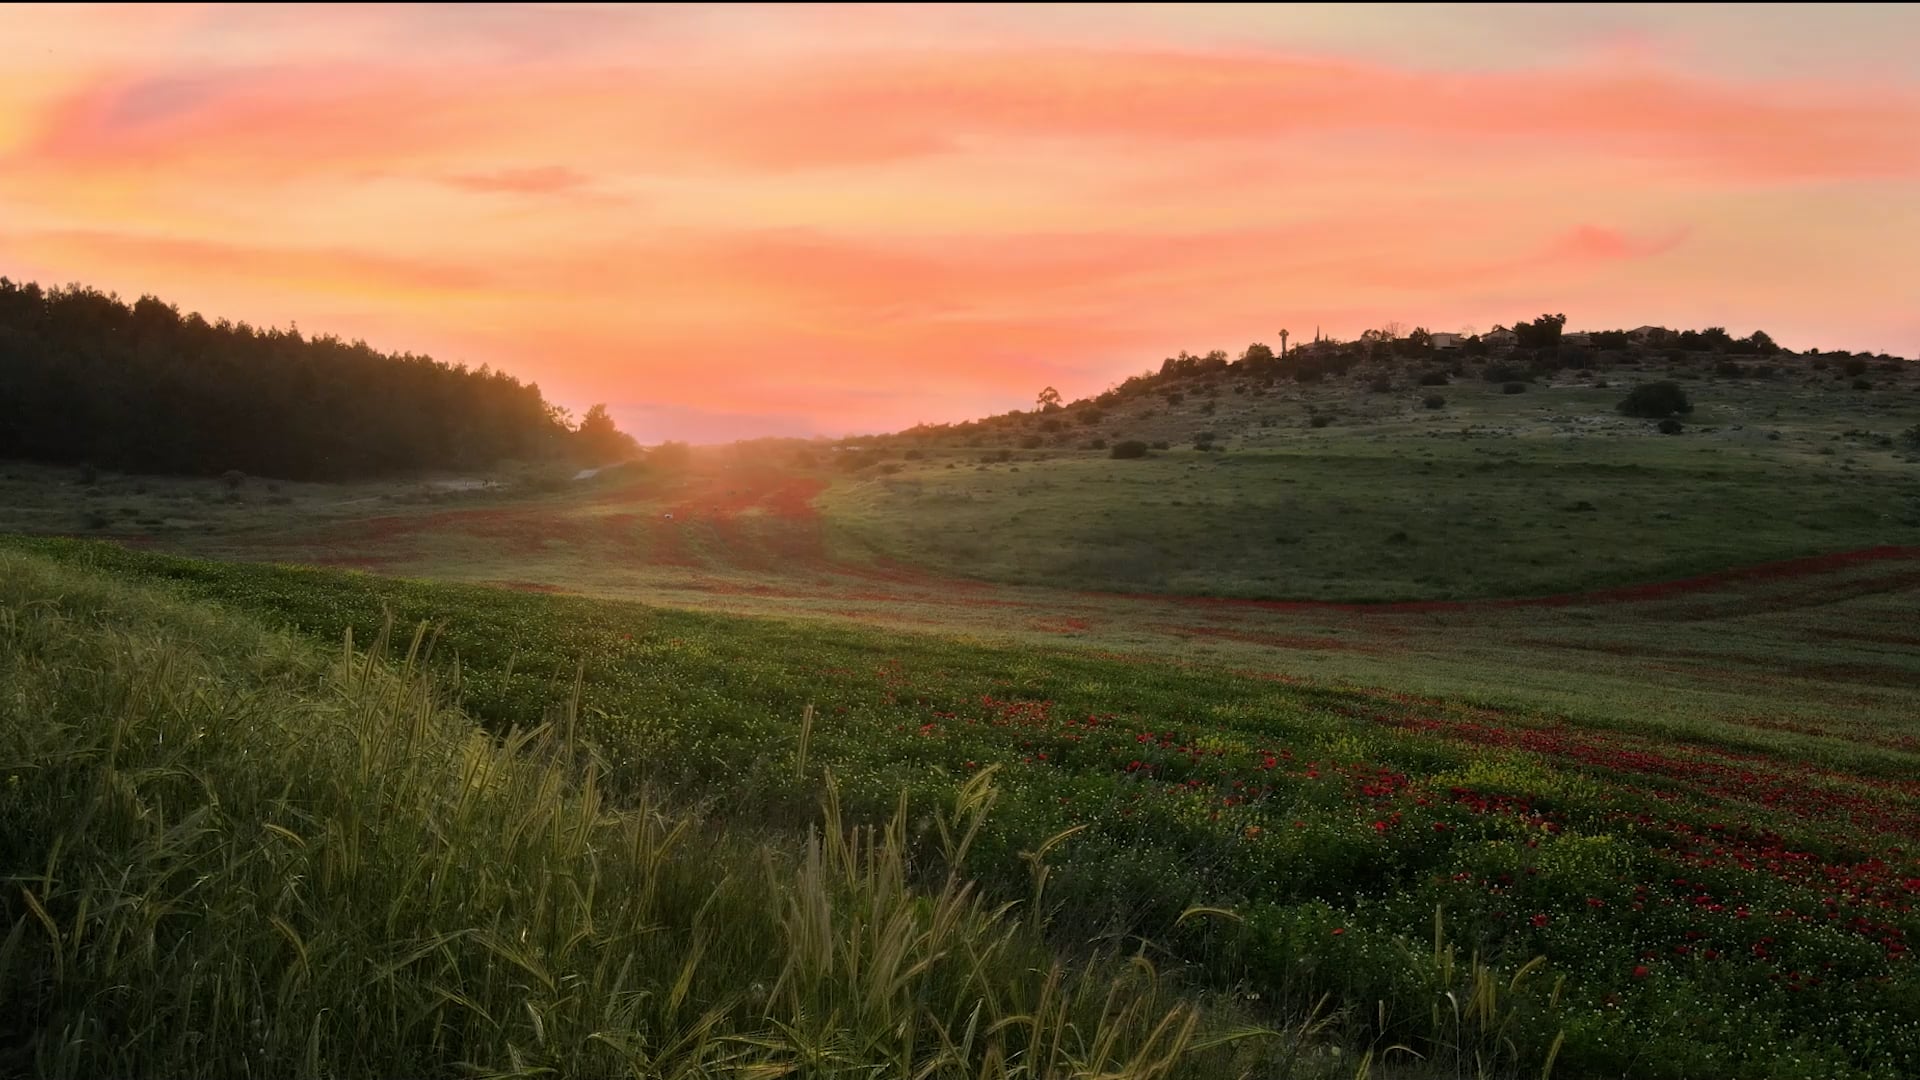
point(1717, 902)
point(227, 855)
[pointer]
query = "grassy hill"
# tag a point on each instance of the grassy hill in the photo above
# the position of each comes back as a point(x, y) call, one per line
point(1336, 490)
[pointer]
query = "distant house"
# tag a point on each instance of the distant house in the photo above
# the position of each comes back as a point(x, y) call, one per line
point(1578, 337)
point(1645, 334)
point(1448, 342)
point(1500, 338)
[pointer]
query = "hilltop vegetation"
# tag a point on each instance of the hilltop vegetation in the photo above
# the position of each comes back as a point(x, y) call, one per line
point(1387, 470)
point(87, 379)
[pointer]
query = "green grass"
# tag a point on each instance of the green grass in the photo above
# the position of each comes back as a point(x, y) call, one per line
point(1684, 881)
point(227, 854)
point(1534, 494)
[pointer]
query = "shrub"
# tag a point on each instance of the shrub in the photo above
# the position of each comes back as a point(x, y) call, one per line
point(1097, 444)
point(97, 520)
point(1856, 366)
point(1670, 426)
point(1319, 420)
point(1176, 397)
point(1130, 448)
point(1862, 384)
point(1030, 442)
point(1434, 401)
point(1051, 423)
point(88, 475)
point(1090, 417)
point(1434, 378)
point(1161, 445)
point(1513, 388)
point(1652, 401)
point(1504, 373)
point(233, 478)
point(1381, 385)
point(1911, 437)
point(914, 455)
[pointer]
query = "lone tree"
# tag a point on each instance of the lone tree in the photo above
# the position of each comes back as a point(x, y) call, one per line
point(1656, 400)
point(1048, 400)
point(1541, 333)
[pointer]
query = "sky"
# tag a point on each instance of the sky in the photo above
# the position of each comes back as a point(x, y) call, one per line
point(728, 222)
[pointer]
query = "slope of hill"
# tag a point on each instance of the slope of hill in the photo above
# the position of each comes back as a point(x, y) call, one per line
point(1374, 482)
point(85, 378)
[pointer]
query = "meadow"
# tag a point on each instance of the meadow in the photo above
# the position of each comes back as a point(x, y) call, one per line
point(1489, 888)
point(1511, 738)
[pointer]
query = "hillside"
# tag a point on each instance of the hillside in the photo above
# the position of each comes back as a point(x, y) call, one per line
point(88, 380)
point(1360, 474)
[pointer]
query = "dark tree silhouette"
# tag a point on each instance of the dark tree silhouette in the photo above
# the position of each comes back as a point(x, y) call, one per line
point(142, 388)
point(1541, 333)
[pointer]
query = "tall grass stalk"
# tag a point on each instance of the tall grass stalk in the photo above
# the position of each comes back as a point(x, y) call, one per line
point(226, 855)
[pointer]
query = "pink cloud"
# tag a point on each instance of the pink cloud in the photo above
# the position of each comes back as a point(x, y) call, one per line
point(875, 225)
point(540, 180)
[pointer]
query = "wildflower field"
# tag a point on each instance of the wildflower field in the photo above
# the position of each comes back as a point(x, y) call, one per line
point(1492, 889)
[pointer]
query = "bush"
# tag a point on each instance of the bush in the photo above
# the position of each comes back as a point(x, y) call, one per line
point(1176, 397)
point(233, 478)
point(1030, 442)
point(914, 455)
point(1434, 378)
point(1727, 369)
point(1434, 401)
point(1161, 445)
point(1862, 384)
point(1670, 426)
point(97, 520)
point(1319, 420)
point(1381, 385)
point(1097, 444)
point(88, 475)
point(1513, 388)
point(1911, 437)
point(1091, 417)
point(1652, 401)
point(1051, 423)
point(1855, 366)
point(1504, 373)
point(1130, 448)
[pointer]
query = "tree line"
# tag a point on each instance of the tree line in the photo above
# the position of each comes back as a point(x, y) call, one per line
point(88, 379)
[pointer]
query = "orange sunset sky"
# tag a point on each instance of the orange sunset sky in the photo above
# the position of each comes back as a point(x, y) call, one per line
point(740, 221)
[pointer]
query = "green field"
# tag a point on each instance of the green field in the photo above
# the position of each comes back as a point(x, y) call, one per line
point(1619, 782)
point(1706, 905)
